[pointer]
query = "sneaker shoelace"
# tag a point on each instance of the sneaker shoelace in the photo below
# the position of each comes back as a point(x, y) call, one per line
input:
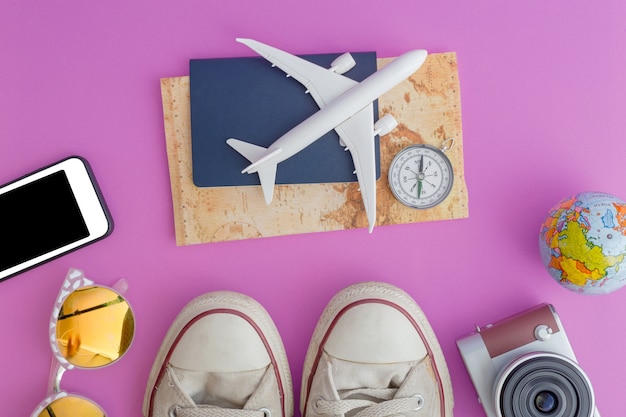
point(212, 411)
point(382, 403)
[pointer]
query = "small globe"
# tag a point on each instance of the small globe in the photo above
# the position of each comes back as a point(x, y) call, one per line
point(583, 243)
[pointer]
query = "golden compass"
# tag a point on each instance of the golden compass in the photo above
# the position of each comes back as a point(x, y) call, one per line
point(421, 176)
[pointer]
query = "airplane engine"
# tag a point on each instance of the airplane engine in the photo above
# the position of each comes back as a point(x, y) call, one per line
point(385, 125)
point(342, 63)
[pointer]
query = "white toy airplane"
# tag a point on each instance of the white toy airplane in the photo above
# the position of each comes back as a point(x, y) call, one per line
point(345, 105)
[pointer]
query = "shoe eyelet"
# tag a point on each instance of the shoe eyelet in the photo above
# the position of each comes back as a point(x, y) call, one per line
point(316, 403)
point(420, 402)
point(266, 412)
point(173, 410)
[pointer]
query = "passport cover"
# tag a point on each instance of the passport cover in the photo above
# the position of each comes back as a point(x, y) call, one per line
point(248, 99)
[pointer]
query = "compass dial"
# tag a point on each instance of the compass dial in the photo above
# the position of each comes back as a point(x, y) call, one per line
point(420, 176)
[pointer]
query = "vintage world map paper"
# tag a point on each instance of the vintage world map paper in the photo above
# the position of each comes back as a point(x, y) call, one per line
point(427, 107)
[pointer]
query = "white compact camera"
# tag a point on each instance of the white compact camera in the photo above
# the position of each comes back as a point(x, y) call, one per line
point(524, 366)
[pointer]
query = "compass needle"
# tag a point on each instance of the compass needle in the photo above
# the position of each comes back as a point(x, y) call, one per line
point(420, 176)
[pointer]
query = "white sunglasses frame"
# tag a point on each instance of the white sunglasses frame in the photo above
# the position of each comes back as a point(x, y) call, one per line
point(74, 280)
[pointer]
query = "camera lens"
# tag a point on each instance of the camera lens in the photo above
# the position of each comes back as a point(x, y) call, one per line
point(546, 402)
point(540, 385)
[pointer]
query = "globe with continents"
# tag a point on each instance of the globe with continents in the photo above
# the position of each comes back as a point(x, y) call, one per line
point(583, 243)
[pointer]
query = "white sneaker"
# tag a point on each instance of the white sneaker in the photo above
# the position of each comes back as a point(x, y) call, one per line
point(374, 354)
point(222, 356)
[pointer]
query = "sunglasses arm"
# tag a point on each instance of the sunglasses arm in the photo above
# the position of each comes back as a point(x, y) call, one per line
point(121, 286)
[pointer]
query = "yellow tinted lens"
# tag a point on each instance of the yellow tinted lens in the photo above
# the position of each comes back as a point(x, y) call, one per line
point(95, 327)
point(71, 407)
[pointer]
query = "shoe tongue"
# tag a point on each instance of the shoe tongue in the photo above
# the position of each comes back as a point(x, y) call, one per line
point(355, 375)
point(216, 388)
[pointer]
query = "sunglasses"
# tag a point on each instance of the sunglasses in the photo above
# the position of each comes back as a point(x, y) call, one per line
point(91, 326)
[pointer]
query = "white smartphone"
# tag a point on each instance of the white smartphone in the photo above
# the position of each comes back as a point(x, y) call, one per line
point(48, 213)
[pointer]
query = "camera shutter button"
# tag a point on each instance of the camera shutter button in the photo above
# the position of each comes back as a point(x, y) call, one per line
point(543, 332)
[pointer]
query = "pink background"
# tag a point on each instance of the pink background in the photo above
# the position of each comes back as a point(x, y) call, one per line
point(542, 87)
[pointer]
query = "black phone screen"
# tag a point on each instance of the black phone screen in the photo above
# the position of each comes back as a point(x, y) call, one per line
point(37, 218)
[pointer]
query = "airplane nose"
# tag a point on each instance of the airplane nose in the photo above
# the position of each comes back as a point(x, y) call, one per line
point(410, 61)
point(418, 55)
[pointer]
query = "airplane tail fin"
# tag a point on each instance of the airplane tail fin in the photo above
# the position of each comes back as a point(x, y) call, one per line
point(256, 155)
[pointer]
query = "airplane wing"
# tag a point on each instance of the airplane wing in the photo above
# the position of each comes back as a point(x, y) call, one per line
point(357, 133)
point(323, 85)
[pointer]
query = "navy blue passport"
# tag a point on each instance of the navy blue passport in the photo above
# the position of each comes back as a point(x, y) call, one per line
point(249, 100)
